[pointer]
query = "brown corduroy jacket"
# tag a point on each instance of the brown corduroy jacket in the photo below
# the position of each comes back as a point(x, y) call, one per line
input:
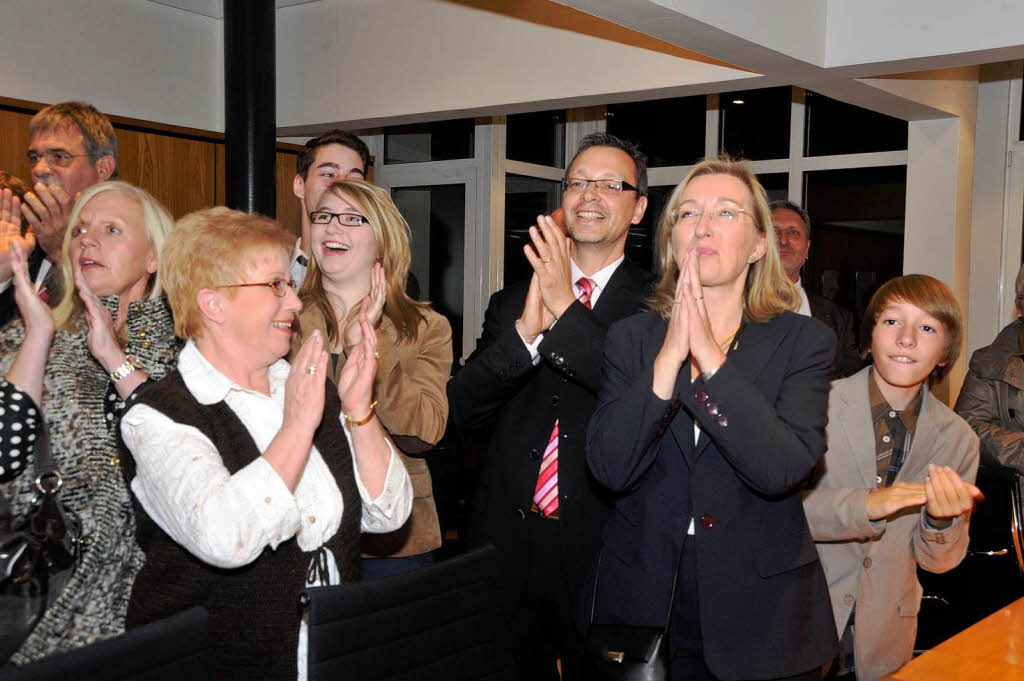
point(413, 408)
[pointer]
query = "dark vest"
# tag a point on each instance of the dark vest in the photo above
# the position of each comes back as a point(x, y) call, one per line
point(254, 609)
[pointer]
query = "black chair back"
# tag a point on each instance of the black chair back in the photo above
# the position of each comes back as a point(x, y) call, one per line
point(439, 622)
point(179, 647)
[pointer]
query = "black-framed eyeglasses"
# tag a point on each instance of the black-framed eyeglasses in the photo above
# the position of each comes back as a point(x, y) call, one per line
point(578, 185)
point(54, 157)
point(280, 287)
point(324, 217)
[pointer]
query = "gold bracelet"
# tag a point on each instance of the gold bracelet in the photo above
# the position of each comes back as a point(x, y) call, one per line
point(352, 422)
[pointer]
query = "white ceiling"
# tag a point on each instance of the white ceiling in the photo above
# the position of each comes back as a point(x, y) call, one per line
point(215, 8)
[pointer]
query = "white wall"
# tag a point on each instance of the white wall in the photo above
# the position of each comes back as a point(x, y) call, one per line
point(126, 57)
point(360, 62)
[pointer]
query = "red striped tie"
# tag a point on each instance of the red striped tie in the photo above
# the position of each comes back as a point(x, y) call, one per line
point(546, 494)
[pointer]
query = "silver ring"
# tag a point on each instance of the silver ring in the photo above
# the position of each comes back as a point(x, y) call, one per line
point(311, 370)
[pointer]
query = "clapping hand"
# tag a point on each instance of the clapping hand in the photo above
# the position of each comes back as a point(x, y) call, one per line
point(37, 316)
point(372, 306)
point(551, 290)
point(355, 383)
point(47, 210)
point(10, 232)
point(948, 494)
point(305, 387)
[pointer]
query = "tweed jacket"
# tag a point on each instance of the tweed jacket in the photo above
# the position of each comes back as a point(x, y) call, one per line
point(413, 408)
point(873, 564)
point(85, 448)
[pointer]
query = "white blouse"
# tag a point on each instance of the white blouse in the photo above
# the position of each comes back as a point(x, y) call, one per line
point(226, 520)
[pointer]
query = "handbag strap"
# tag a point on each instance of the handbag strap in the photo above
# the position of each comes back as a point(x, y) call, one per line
point(43, 465)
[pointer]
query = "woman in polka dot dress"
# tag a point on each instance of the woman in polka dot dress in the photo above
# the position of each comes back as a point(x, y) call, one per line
point(110, 332)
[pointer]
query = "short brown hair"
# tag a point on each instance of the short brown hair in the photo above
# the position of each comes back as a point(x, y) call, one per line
point(927, 293)
point(342, 137)
point(210, 248)
point(97, 131)
point(15, 184)
point(768, 291)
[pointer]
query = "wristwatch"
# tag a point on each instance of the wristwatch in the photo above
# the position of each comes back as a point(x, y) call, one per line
point(129, 366)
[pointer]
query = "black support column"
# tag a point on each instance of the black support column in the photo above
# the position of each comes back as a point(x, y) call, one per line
point(250, 108)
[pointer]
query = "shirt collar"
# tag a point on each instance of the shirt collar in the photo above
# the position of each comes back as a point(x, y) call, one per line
point(601, 277)
point(880, 407)
point(209, 386)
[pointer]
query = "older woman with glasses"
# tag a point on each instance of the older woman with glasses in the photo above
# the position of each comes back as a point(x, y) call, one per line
point(254, 479)
point(74, 367)
point(360, 248)
point(711, 417)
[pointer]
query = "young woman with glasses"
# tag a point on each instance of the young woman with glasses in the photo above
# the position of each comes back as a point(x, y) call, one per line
point(360, 264)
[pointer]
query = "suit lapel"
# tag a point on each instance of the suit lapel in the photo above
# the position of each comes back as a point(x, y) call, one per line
point(750, 353)
point(856, 425)
point(623, 295)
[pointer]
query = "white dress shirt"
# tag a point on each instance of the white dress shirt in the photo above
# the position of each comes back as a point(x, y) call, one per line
point(226, 520)
point(805, 305)
point(600, 280)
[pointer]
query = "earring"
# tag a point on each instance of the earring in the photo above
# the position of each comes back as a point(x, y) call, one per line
point(752, 259)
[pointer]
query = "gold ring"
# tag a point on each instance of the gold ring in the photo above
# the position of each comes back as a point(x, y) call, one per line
point(376, 354)
point(546, 260)
point(311, 370)
point(699, 299)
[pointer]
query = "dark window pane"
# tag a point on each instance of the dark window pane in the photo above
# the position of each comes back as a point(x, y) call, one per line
point(525, 199)
point(641, 243)
point(443, 141)
point(776, 184)
point(835, 127)
point(754, 124)
point(669, 131)
point(856, 232)
point(536, 138)
point(437, 220)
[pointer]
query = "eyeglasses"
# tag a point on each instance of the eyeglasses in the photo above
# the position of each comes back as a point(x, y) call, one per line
point(54, 157)
point(578, 185)
point(723, 215)
point(323, 217)
point(280, 287)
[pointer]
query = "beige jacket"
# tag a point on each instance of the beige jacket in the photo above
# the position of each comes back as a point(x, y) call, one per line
point(874, 564)
point(413, 408)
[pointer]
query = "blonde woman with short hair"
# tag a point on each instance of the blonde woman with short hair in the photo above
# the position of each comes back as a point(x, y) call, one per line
point(73, 368)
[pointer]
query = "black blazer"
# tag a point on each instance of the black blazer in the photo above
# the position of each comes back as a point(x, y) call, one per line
point(499, 386)
point(847, 360)
point(764, 602)
point(8, 308)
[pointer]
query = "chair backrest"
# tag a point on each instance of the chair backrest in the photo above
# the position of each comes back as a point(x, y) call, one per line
point(175, 648)
point(439, 622)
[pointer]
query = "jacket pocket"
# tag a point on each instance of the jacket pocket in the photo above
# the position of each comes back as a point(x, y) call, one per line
point(787, 553)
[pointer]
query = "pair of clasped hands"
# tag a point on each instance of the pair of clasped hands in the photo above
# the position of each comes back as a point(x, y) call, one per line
point(944, 494)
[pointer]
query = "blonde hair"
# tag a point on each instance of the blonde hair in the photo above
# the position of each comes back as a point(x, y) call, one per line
point(391, 232)
point(211, 248)
point(157, 222)
point(767, 292)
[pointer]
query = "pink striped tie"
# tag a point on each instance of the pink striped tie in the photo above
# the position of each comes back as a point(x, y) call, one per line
point(546, 494)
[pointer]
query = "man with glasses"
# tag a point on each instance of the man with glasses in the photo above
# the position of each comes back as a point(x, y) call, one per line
point(793, 233)
point(71, 147)
point(333, 156)
point(534, 378)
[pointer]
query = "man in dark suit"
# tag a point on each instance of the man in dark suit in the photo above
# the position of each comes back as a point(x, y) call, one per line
point(793, 231)
point(534, 377)
point(71, 147)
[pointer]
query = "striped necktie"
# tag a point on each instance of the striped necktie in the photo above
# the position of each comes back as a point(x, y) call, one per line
point(545, 495)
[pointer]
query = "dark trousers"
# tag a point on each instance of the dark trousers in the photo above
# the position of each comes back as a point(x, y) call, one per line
point(541, 620)
point(685, 644)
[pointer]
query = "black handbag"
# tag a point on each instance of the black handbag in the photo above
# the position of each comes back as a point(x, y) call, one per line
point(38, 552)
point(621, 652)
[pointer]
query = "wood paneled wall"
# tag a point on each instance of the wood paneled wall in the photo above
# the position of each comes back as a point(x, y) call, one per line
point(183, 167)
